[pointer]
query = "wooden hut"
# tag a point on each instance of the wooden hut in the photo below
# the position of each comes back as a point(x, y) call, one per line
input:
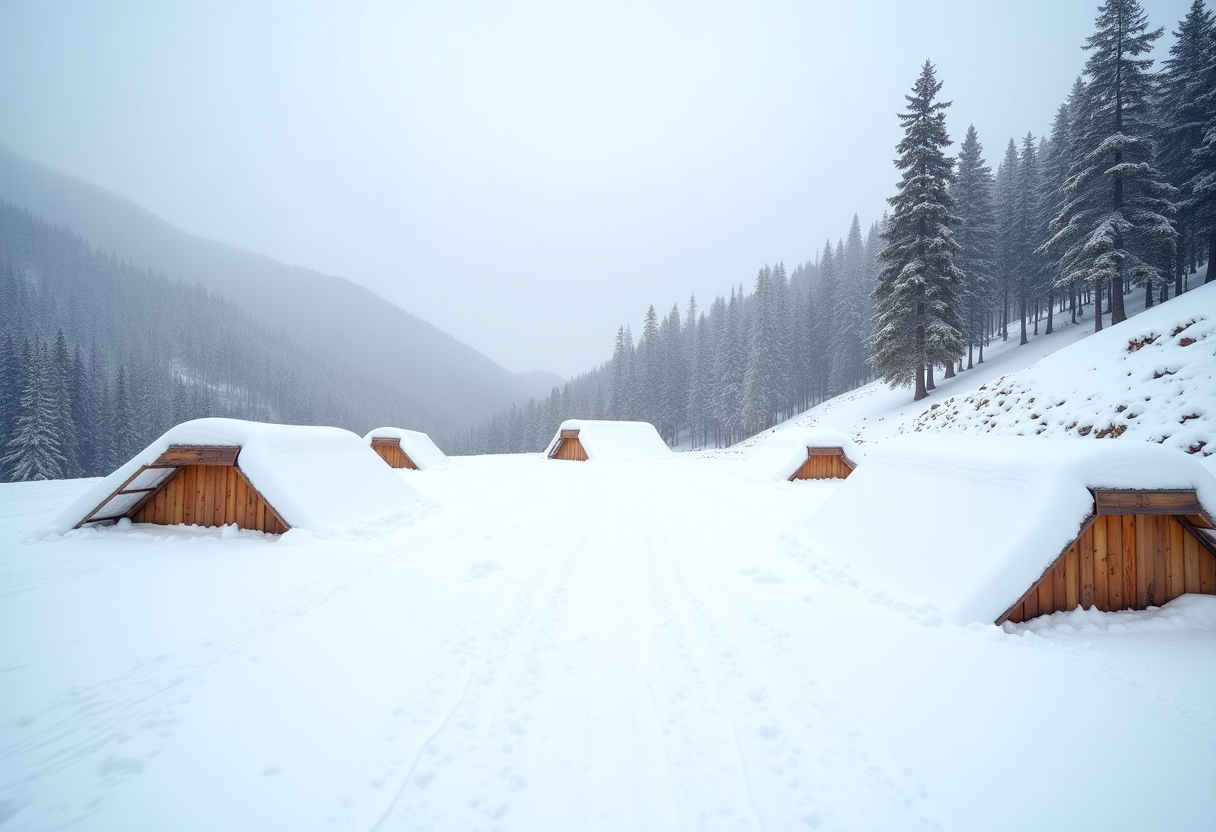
point(191, 484)
point(596, 439)
point(268, 478)
point(568, 446)
point(816, 453)
point(407, 449)
point(996, 529)
point(824, 463)
point(1138, 549)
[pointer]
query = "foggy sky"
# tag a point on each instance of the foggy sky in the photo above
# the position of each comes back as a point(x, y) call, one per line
point(525, 176)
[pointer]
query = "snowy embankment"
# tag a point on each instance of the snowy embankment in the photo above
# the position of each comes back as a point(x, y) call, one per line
point(1152, 379)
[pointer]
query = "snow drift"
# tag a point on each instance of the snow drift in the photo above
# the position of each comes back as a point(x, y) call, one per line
point(967, 524)
point(321, 479)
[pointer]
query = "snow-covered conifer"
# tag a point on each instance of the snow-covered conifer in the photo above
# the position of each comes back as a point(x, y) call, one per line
point(1115, 224)
point(917, 298)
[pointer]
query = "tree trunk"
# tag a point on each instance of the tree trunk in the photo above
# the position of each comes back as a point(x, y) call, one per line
point(1005, 317)
point(1051, 310)
point(1211, 256)
point(970, 353)
point(1148, 294)
point(1022, 314)
point(929, 385)
point(920, 384)
point(1098, 306)
point(949, 370)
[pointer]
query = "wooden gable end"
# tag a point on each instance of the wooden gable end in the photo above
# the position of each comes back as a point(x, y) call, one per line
point(569, 447)
point(1135, 552)
point(191, 484)
point(389, 449)
point(824, 464)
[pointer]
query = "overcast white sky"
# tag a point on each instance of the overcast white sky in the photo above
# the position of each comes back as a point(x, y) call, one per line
point(526, 176)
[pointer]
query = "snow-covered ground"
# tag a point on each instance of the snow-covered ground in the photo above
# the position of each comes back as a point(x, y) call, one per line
point(641, 645)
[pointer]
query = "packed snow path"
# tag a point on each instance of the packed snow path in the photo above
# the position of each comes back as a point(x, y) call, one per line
point(557, 645)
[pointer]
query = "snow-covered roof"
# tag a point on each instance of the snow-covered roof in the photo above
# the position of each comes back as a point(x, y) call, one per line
point(418, 447)
point(967, 524)
point(322, 479)
point(605, 440)
point(780, 455)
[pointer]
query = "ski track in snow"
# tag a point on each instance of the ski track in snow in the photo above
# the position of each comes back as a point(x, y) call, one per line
point(663, 651)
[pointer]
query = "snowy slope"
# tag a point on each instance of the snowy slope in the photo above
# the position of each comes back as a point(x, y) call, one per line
point(1151, 378)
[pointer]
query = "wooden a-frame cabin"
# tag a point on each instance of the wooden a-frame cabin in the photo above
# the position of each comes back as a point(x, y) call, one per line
point(190, 484)
point(1138, 549)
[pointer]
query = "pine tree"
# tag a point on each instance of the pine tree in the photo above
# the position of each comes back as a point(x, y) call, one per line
point(917, 298)
point(972, 190)
point(1025, 265)
point(1005, 192)
point(848, 317)
point(1054, 168)
point(1115, 223)
point(1184, 79)
point(1201, 188)
point(34, 451)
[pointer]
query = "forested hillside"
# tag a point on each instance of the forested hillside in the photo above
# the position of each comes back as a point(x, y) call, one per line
point(1121, 197)
point(442, 385)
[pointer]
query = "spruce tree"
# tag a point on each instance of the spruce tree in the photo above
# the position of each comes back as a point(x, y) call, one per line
point(918, 296)
point(1184, 79)
point(972, 190)
point(34, 450)
point(1115, 222)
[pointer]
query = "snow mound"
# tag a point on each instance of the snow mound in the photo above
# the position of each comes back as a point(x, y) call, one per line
point(1151, 378)
point(1007, 508)
point(319, 479)
point(606, 440)
point(1186, 612)
point(417, 446)
point(782, 452)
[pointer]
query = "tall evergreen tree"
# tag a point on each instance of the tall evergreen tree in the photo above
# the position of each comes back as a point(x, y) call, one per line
point(917, 298)
point(1185, 77)
point(972, 190)
point(34, 450)
point(1115, 223)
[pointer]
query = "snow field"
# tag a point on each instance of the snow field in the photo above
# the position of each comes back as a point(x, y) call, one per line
point(637, 645)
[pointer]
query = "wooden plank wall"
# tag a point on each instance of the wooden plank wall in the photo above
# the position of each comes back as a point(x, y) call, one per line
point(571, 449)
point(210, 495)
point(394, 456)
point(823, 467)
point(1122, 561)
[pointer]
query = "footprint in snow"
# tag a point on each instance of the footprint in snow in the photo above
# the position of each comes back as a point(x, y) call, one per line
point(767, 577)
point(481, 569)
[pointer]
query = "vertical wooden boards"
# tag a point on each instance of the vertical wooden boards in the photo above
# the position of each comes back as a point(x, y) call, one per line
point(1114, 551)
point(1097, 533)
point(1191, 553)
point(569, 449)
point(210, 495)
point(822, 464)
point(1132, 595)
point(1130, 561)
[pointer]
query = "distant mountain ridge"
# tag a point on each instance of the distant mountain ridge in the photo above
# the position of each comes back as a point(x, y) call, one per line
point(449, 384)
